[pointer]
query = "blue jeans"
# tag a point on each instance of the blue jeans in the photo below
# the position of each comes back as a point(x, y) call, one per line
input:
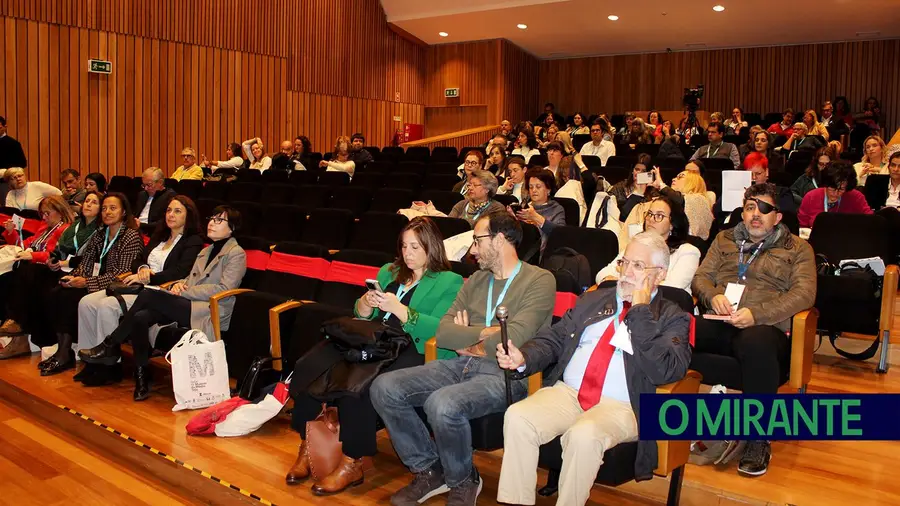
point(452, 392)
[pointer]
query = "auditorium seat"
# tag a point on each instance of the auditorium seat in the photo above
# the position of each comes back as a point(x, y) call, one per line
point(393, 153)
point(367, 179)
point(281, 223)
point(334, 179)
point(376, 231)
point(650, 149)
point(404, 180)
point(451, 226)
point(189, 188)
point(451, 168)
point(443, 200)
point(506, 199)
point(275, 176)
point(354, 199)
point(464, 269)
point(594, 163)
point(389, 200)
point(373, 150)
point(382, 166)
point(249, 175)
point(257, 250)
point(620, 161)
point(279, 193)
point(295, 270)
point(205, 208)
point(244, 192)
point(217, 190)
point(417, 154)
point(444, 182)
point(303, 177)
point(572, 209)
point(309, 197)
point(251, 216)
point(530, 246)
point(415, 167)
point(328, 227)
point(599, 246)
point(579, 140)
point(443, 154)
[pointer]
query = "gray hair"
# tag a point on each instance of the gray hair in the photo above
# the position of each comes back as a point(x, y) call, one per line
point(12, 171)
point(156, 173)
point(654, 241)
point(488, 180)
point(801, 126)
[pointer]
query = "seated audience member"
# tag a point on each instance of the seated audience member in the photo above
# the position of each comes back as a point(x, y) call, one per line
point(873, 160)
point(750, 146)
point(833, 122)
point(758, 165)
point(716, 147)
point(219, 267)
point(359, 156)
point(599, 147)
point(168, 256)
point(479, 201)
point(456, 390)
point(189, 168)
point(110, 252)
point(626, 129)
point(778, 271)
point(506, 130)
point(541, 129)
point(813, 127)
point(495, 161)
point(691, 189)
point(498, 140)
point(72, 189)
point(812, 177)
point(718, 117)
point(842, 110)
point(300, 155)
point(838, 194)
point(95, 182)
point(514, 171)
point(579, 125)
point(76, 237)
point(638, 133)
point(893, 197)
point(550, 111)
point(526, 145)
point(419, 288)
point(566, 141)
point(870, 115)
point(540, 210)
point(592, 389)
point(232, 159)
point(549, 135)
point(474, 160)
point(668, 142)
point(256, 154)
point(799, 140)
point(341, 161)
point(609, 131)
point(760, 142)
point(629, 192)
point(665, 218)
point(654, 125)
point(25, 194)
point(786, 127)
point(569, 183)
point(153, 199)
point(736, 122)
point(17, 285)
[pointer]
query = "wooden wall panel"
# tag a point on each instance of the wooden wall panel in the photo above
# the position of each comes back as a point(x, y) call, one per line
point(762, 80)
point(440, 120)
point(518, 86)
point(473, 68)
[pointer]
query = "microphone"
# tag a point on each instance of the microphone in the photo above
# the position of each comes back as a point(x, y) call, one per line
point(502, 314)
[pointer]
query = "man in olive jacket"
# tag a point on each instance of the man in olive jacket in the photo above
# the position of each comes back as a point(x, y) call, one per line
point(615, 345)
point(777, 271)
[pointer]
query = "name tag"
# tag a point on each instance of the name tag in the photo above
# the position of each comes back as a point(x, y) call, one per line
point(622, 339)
point(96, 271)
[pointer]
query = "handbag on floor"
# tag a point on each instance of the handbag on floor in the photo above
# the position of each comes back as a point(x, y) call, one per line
point(323, 443)
point(199, 371)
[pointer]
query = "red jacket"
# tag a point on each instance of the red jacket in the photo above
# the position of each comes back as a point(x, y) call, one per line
point(37, 257)
point(813, 203)
point(777, 130)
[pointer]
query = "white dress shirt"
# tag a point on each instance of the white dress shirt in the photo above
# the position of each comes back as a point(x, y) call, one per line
point(603, 151)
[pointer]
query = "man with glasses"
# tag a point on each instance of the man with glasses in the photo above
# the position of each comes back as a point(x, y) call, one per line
point(616, 344)
point(454, 391)
point(598, 147)
point(754, 278)
point(153, 198)
point(717, 148)
point(189, 168)
point(838, 194)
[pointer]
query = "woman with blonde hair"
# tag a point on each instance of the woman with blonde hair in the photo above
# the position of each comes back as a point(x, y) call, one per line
point(566, 141)
point(873, 160)
point(697, 203)
point(256, 153)
point(340, 161)
point(25, 194)
point(813, 127)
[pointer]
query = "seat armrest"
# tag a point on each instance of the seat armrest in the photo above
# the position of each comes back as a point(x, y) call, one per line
point(168, 284)
point(121, 277)
point(275, 331)
point(888, 297)
point(674, 454)
point(534, 381)
point(431, 350)
point(803, 342)
point(214, 308)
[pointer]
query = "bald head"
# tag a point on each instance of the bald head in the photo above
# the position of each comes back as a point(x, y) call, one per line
point(287, 148)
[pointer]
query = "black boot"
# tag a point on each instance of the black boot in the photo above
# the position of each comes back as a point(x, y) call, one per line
point(64, 359)
point(142, 379)
point(105, 375)
point(87, 370)
point(107, 353)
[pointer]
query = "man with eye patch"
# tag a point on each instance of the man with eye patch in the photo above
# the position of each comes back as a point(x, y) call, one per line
point(769, 275)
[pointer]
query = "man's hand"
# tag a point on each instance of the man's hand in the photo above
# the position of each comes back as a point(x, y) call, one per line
point(641, 293)
point(721, 305)
point(513, 360)
point(742, 318)
point(461, 318)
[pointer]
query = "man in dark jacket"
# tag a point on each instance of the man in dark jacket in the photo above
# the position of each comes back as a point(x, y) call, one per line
point(11, 153)
point(615, 345)
point(152, 201)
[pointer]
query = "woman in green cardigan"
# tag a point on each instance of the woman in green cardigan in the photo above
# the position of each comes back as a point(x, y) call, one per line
point(419, 289)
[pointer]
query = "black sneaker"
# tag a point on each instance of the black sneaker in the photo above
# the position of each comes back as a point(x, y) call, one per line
point(424, 486)
point(466, 493)
point(755, 461)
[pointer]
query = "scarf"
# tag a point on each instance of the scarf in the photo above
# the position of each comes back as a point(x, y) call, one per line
point(473, 210)
point(741, 234)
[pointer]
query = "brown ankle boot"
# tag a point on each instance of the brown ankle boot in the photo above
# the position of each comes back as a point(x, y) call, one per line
point(17, 347)
point(348, 474)
point(300, 470)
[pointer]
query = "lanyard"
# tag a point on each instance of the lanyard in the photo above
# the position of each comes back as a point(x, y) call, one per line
point(75, 237)
point(489, 311)
point(107, 245)
point(40, 243)
point(401, 291)
point(815, 184)
point(711, 155)
point(743, 267)
point(825, 203)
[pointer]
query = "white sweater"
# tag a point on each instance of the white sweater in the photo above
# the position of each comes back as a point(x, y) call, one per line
point(30, 196)
point(525, 153)
point(683, 263)
point(573, 190)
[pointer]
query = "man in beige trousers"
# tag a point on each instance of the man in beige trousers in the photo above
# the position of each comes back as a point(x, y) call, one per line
point(613, 346)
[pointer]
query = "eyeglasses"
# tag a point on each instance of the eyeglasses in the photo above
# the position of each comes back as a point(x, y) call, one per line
point(471, 163)
point(475, 238)
point(595, 131)
point(218, 220)
point(657, 217)
point(147, 186)
point(680, 175)
point(838, 190)
point(763, 206)
point(638, 266)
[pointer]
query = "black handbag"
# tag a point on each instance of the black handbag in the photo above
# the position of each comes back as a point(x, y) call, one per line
point(117, 289)
point(260, 375)
point(365, 340)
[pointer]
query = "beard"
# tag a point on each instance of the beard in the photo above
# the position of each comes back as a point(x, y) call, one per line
point(625, 289)
point(486, 259)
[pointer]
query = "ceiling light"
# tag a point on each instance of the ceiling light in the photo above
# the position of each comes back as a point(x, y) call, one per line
point(521, 26)
point(612, 17)
point(443, 34)
point(718, 8)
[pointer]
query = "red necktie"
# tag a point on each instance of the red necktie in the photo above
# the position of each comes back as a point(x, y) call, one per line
point(595, 373)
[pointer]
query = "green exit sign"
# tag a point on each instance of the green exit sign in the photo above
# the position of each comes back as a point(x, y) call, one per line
point(451, 92)
point(99, 67)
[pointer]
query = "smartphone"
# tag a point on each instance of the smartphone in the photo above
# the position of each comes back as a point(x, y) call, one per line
point(372, 284)
point(515, 208)
point(645, 178)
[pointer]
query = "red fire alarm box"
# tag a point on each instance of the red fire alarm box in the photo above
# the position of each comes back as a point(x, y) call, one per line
point(413, 132)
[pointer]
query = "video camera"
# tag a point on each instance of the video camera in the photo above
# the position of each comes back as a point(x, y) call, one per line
point(692, 97)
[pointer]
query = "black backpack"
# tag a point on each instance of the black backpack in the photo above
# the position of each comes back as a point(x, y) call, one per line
point(571, 270)
point(850, 283)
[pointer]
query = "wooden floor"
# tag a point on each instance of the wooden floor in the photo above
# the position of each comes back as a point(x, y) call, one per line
point(48, 455)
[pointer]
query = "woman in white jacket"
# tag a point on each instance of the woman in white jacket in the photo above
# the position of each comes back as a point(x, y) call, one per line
point(666, 217)
point(568, 178)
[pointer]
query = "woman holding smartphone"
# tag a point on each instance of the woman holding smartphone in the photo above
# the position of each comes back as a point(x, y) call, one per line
point(418, 289)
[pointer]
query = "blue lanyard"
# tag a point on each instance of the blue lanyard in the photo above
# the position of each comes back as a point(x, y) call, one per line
point(489, 311)
point(401, 291)
point(743, 267)
point(825, 202)
point(107, 245)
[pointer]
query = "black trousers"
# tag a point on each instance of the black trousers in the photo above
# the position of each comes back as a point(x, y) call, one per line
point(151, 307)
point(762, 350)
point(62, 310)
point(356, 415)
point(25, 298)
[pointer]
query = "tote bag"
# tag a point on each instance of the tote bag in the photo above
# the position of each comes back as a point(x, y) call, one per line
point(199, 371)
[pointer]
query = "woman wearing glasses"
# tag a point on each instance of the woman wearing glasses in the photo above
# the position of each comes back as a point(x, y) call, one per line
point(666, 218)
point(219, 267)
point(480, 191)
point(168, 256)
point(474, 160)
point(540, 211)
point(25, 194)
point(838, 194)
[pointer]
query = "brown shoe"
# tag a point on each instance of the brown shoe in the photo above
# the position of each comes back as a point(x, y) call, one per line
point(16, 348)
point(11, 328)
point(348, 474)
point(300, 470)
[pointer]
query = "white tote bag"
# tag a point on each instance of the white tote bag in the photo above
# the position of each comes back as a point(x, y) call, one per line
point(199, 371)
